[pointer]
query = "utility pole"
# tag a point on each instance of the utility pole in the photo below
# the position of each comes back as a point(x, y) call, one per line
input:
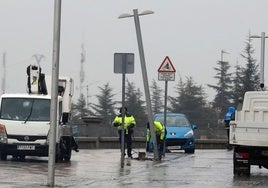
point(4, 74)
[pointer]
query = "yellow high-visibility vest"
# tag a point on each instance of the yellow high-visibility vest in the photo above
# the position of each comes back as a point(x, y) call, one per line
point(129, 120)
point(159, 131)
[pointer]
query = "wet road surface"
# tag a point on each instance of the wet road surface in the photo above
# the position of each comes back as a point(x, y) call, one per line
point(102, 168)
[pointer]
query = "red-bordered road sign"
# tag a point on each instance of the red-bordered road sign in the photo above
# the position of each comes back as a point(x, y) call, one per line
point(166, 66)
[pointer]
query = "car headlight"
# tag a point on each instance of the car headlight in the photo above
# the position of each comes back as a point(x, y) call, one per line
point(189, 133)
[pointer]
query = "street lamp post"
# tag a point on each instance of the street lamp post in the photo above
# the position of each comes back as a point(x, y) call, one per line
point(262, 37)
point(54, 93)
point(144, 71)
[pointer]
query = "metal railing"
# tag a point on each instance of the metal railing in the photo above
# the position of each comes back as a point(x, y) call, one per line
point(139, 142)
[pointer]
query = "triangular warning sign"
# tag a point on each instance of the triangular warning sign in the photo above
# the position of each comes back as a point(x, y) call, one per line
point(166, 66)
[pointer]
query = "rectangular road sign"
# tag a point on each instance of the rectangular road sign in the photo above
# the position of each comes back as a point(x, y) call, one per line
point(124, 63)
point(166, 76)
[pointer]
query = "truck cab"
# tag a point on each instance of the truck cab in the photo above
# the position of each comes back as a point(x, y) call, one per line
point(25, 122)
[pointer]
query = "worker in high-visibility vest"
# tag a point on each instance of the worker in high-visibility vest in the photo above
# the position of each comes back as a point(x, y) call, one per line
point(129, 124)
point(160, 132)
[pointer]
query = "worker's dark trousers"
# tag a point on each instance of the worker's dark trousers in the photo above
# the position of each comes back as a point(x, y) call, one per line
point(228, 146)
point(128, 142)
point(160, 146)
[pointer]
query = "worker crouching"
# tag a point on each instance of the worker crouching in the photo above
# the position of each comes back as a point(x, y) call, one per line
point(160, 133)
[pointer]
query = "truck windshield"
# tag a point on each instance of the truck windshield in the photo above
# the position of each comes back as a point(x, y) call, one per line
point(25, 109)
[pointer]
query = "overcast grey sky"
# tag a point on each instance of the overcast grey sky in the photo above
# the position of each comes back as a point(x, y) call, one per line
point(192, 33)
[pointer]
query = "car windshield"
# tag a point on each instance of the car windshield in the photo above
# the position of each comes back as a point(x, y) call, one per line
point(174, 121)
point(25, 109)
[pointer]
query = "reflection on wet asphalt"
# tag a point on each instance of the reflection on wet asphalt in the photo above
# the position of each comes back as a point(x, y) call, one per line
point(102, 168)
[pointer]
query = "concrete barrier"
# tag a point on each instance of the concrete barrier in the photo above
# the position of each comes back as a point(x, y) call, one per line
point(139, 142)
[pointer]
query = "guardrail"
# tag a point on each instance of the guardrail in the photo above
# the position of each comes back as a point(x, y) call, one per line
point(139, 142)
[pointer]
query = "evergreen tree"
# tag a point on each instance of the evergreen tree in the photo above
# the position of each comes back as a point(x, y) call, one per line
point(80, 110)
point(105, 108)
point(250, 74)
point(136, 106)
point(191, 100)
point(157, 97)
point(237, 91)
point(223, 96)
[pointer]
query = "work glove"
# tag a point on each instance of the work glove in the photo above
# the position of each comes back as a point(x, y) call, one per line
point(130, 130)
point(116, 124)
point(131, 125)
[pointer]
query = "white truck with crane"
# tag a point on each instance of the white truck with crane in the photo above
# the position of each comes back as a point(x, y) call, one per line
point(25, 119)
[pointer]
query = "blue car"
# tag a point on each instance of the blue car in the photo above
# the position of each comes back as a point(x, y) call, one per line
point(180, 132)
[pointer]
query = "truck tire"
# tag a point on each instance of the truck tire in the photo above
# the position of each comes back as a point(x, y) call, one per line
point(68, 154)
point(240, 167)
point(3, 156)
point(58, 155)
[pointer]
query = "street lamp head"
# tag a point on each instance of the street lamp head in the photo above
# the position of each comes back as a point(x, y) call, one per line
point(146, 12)
point(125, 15)
point(254, 36)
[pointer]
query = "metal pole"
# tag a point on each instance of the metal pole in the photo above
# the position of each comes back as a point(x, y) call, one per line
point(262, 59)
point(4, 74)
point(165, 112)
point(123, 113)
point(54, 93)
point(145, 80)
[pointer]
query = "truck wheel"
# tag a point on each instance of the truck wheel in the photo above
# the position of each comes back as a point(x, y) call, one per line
point(3, 156)
point(68, 154)
point(58, 155)
point(235, 169)
point(240, 168)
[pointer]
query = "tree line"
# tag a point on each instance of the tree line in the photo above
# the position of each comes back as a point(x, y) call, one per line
point(189, 97)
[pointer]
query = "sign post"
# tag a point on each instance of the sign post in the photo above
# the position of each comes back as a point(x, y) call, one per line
point(166, 72)
point(123, 63)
